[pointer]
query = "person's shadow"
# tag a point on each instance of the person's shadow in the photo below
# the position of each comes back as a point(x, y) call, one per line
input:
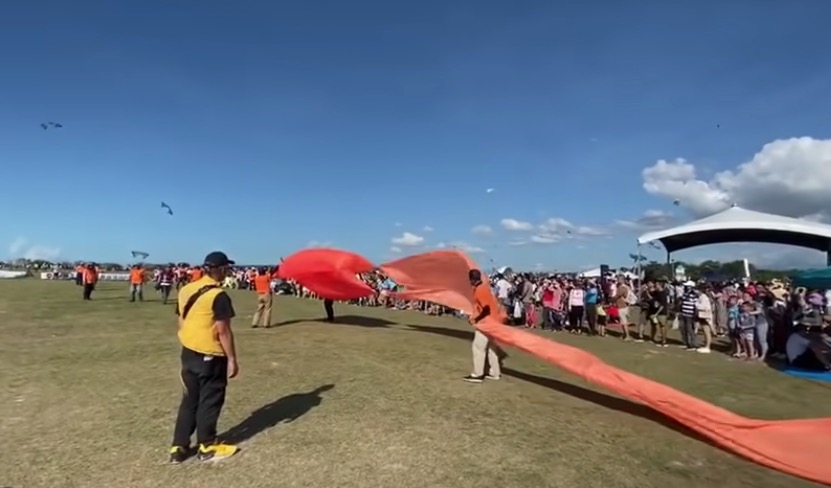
point(285, 409)
point(356, 320)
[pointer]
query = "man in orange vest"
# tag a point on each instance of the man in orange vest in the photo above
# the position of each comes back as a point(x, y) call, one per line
point(79, 274)
point(262, 285)
point(90, 279)
point(137, 283)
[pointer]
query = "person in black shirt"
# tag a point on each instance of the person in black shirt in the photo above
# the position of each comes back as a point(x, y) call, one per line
point(657, 312)
point(329, 307)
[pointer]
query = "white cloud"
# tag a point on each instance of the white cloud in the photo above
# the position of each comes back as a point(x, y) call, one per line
point(482, 230)
point(17, 247)
point(516, 225)
point(787, 177)
point(396, 250)
point(465, 247)
point(585, 230)
point(408, 239)
point(20, 248)
point(427, 228)
point(555, 229)
point(517, 243)
point(318, 244)
point(556, 226)
point(545, 239)
point(441, 245)
point(650, 220)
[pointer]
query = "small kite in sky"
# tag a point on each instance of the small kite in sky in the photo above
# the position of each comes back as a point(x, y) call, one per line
point(169, 210)
point(139, 254)
point(489, 190)
point(676, 202)
point(47, 125)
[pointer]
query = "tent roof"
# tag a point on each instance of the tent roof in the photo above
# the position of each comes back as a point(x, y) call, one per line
point(740, 225)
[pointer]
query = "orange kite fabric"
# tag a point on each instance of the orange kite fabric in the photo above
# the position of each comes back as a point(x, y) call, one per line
point(796, 447)
point(330, 273)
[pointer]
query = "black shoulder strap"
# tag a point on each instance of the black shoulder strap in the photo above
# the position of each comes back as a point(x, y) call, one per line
point(193, 298)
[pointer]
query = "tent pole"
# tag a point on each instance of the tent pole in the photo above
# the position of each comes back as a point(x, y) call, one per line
point(828, 258)
point(671, 278)
point(640, 267)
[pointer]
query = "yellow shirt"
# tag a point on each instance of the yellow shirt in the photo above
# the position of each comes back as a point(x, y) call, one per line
point(197, 331)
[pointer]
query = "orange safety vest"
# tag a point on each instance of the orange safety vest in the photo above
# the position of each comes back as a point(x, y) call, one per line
point(262, 284)
point(136, 277)
point(90, 276)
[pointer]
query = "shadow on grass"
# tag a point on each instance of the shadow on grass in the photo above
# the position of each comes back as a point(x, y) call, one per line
point(285, 409)
point(355, 320)
point(466, 335)
point(608, 401)
point(597, 398)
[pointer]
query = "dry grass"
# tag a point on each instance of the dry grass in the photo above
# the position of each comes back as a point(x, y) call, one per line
point(90, 392)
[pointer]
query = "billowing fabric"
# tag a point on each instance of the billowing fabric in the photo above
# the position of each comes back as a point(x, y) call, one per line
point(796, 447)
point(330, 273)
point(427, 277)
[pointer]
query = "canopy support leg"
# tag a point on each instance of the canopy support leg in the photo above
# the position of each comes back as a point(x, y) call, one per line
point(640, 269)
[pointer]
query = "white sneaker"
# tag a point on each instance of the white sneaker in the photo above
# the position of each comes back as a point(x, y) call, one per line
point(493, 377)
point(703, 350)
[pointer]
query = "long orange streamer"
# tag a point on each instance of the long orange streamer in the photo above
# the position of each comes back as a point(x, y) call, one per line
point(797, 447)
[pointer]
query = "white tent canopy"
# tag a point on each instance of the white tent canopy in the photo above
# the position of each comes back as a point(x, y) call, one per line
point(740, 225)
point(592, 273)
point(596, 273)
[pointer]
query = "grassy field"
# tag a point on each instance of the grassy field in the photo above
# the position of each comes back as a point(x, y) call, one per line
point(90, 392)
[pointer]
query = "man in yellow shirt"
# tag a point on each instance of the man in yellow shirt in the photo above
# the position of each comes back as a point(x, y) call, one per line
point(209, 359)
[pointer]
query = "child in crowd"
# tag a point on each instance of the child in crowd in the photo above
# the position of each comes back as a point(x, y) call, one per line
point(746, 325)
point(733, 326)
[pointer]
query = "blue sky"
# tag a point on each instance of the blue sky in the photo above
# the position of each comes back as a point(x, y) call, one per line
point(267, 125)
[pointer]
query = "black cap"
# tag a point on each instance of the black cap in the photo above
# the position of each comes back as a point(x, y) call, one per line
point(217, 259)
point(474, 275)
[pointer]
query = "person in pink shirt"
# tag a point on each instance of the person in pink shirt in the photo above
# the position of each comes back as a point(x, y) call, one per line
point(547, 299)
point(557, 303)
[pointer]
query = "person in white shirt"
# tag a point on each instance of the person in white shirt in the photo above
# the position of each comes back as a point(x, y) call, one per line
point(576, 308)
point(704, 310)
point(503, 292)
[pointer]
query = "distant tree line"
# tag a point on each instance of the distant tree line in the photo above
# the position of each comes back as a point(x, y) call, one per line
point(709, 270)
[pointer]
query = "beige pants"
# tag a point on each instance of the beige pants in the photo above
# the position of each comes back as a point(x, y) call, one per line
point(263, 313)
point(482, 351)
point(623, 313)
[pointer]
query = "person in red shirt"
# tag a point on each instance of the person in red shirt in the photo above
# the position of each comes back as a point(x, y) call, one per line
point(90, 279)
point(485, 306)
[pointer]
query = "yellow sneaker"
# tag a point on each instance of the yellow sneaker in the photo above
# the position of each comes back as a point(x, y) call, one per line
point(216, 452)
point(178, 455)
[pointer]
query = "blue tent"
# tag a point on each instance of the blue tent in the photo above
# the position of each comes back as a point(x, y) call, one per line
point(813, 279)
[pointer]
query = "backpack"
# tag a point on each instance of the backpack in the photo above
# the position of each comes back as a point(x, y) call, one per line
point(631, 298)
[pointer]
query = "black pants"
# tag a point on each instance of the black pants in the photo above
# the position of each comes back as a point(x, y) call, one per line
point(165, 291)
point(329, 306)
point(575, 318)
point(808, 360)
point(88, 287)
point(204, 379)
point(79, 279)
